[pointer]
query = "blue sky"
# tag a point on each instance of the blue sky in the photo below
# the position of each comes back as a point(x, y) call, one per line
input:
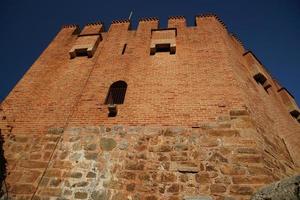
point(270, 28)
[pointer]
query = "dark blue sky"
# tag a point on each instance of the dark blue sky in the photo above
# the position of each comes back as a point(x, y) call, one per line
point(270, 28)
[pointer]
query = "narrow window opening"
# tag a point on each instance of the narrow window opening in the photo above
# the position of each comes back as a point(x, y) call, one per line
point(116, 93)
point(259, 78)
point(81, 52)
point(295, 114)
point(163, 48)
point(124, 49)
point(262, 80)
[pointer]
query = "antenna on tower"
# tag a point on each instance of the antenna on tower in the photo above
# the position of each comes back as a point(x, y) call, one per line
point(130, 15)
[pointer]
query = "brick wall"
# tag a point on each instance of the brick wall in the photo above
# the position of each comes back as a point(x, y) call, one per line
point(193, 123)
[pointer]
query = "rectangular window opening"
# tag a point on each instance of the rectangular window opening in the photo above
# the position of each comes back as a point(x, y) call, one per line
point(124, 49)
point(163, 48)
point(81, 52)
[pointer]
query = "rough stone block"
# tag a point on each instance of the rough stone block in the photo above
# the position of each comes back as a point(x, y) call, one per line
point(288, 188)
point(107, 144)
point(197, 198)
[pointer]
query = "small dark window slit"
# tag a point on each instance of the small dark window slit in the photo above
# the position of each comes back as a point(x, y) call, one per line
point(163, 48)
point(124, 49)
point(81, 52)
point(262, 80)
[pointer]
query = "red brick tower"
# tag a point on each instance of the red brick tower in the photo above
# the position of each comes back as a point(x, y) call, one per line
point(175, 113)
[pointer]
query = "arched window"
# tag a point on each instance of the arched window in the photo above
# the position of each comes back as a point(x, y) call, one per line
point(116, 93)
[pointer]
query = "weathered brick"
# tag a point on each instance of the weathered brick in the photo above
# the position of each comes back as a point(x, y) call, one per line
point(54, 192)
point(248, 159)
point(30, 176)
point(33, 164)
point(251, 179)
point(232, 170)
point(53, 173)
point(223, 133)
point(22, 189)
point(241, 190)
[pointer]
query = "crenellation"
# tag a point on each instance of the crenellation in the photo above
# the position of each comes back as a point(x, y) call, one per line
point(70, 26)
point(73, 27)
point(146, 19)
point(120, 21)
point(120, 26)
point(92, 29)
point(145, 25)
point(201, 17)
point(238, 42)
point(177, 22)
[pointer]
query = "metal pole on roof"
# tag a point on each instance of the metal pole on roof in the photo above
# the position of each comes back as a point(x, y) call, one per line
point(130, 15)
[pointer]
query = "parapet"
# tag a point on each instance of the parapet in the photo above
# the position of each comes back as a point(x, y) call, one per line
point(148, 19)
point(176, 21)
point(290, 103)
point(90, 36)
point(87, 41)
point(70, 26)
point(92, 29)
point(74, 27)
point(288, 100)
point(121, 25)
point(238, 42)
point(199, 20)
point(257, 71)
point(148, 23)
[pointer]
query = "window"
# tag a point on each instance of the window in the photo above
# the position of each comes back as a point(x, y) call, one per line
point(116, 93)
point(290, 103)
point(262, 80)
point(163, 47)
point(163, 40)
point(81, 52)
point(124, 49)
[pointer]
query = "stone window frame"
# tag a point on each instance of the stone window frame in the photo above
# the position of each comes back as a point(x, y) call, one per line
point(164, 46)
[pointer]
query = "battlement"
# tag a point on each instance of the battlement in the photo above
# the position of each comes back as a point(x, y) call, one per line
point(209, 15)
point(148, 19)
point(70, 26)
point(87, 42)
point(173, 21)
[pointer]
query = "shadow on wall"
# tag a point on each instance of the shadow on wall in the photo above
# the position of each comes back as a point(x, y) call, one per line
point(2, 166)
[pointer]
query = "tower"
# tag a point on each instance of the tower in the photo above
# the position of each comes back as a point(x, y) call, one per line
point(174, 113)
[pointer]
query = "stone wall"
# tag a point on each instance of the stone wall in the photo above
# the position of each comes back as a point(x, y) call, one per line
point(222, 160)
